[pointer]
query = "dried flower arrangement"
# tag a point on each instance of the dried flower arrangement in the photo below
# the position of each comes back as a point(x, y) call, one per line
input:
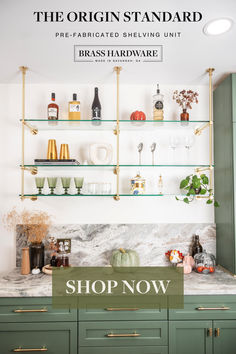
point(185, 98)
point(34, 224)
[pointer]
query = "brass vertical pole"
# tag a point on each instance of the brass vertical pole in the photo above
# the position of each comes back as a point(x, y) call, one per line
point(117, 132)
point(210, 71)
point(23, 69)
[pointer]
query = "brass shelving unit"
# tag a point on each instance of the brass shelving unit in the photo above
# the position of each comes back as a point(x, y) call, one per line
point(34, 125)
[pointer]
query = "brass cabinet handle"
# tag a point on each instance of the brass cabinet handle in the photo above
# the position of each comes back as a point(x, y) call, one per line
point(21, 350)
point(223, 308)
point(113, 335)
point(26, 311)
point(209, 332)
point(121, 309)
point(217, 332)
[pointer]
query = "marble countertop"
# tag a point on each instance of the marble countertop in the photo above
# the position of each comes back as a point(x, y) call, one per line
point(14, 284)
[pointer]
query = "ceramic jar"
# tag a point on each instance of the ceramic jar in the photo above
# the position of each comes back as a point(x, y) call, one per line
point(138, 185)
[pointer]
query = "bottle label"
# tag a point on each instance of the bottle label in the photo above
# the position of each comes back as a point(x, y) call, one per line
point(52, 112)
point(96, 113)
point(74, 107)
point(159, 105)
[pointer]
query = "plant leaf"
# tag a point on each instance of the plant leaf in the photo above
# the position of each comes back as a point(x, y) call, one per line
point(209, 201)
point(186, 200)
point(176, 198)
point(183, 183)
point(216, 204)
point(203, 191)
point(205, 179)
point(192, 191)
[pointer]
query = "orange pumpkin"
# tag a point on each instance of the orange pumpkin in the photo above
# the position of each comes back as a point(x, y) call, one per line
point(138, 115)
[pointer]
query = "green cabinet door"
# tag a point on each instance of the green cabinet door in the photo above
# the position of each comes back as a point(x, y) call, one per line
point(224, 337)
point(124, 350)
point(187, 337)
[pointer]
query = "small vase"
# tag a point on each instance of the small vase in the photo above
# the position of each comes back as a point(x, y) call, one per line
point(36, 255)
point(184, 116)
point(25, 261)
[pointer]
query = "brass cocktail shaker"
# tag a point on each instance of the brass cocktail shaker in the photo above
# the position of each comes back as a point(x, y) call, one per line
point(52, 150)
point(64, 152)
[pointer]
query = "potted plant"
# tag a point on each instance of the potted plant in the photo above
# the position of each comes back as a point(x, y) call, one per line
point(185, 99)
point(196, 185)
point(34, 225)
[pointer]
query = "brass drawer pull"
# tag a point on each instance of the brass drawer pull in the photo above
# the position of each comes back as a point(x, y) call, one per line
point(209, 332)
point(27, 311)
point(112, 335)
point(223, 308)
point(22, 350)
point(217, 332)
point(121, 309)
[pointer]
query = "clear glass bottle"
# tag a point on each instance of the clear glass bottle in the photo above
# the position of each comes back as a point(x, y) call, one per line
point(74, 108)
point(158, 105)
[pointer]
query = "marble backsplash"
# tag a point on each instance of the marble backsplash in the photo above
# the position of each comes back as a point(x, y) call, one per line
point(92, 244)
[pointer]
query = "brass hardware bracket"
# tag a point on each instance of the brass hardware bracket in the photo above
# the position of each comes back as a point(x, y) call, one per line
point(32, 170)
point(24, 350)
point(217, 332)
point(113, 335)
point(116, 170)
point(198, 131)
point(33, 131)
point(201, 169)
point(29, 311)
point(223, 308)
point(117, 197)
point(209, 332)
point(122, 309)
point(116, 132)
point(33, 198)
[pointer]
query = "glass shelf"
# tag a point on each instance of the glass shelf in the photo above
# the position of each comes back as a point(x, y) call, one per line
point(99, 195)
point(65, 124)
point(111, 166)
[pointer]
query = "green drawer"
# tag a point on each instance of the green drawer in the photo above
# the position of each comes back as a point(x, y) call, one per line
point(205, 307)
point(122, 333)
point(33, 309)
point(124, 350)
point(55, 338)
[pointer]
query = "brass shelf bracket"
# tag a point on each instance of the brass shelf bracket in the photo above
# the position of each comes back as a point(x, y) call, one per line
point(33, 198)
point(202, 169)
point(32, 170)
point(198, 131)
point(33, 131)
point(117, 69)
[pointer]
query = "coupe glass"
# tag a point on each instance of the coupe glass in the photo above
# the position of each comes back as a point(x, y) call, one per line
point(52, 183)
point(79, 183)
point(66, 183)
point(39, 181)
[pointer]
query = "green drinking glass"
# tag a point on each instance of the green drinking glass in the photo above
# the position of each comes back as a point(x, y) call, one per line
point(39, 181)
point(66, 183)
point(52, 183)
point(79, 183)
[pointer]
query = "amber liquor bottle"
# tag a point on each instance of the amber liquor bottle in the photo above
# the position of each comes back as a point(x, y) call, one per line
point(53, 109)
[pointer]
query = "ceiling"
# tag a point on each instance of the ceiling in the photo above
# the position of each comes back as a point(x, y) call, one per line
point(25, 42)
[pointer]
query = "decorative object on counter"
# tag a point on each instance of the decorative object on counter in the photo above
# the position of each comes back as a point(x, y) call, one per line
point(52, 150)
point(53, 109)
point(64, 152)
point(185, 99)
point(63, 245)
point(43, 162)
point(196, 247)
point(188, 264)
point(124, 258)
point(138, 115)
point(96, 107)
point(52, 183)
point(140, 149)
point(53, 261)
point(74, 108)
point(153, 148)
point(47, 269)
point(25, 261)
point(138, 185)
point(193, 186)
point(36, 250)
point(39, 181)
point(174, 256)
point(63, 260)
point(158, 105)
point(35, 271)
point(66, 183)
point(100, 154)
point(79, 183)
point(160, 185)
point(205, 263)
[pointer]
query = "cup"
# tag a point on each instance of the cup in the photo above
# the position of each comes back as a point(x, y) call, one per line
point(64, 152)
point(52, 150)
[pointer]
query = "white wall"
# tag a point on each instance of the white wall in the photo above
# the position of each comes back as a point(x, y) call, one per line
point(98, 210)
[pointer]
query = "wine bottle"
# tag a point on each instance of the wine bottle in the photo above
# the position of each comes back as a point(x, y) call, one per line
point(196, 247)
point(53, 109)
point(96, 106)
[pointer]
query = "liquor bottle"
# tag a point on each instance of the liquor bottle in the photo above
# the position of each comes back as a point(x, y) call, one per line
point(196, 247)
point(96, 106)
point(160, 185)
point(158, 99)
point(74, 108)
point(53, 109)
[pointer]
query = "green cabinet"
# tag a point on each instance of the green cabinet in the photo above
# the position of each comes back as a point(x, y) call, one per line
point(224, 337)
point(224, 107)
point(124, 350)
point(193, 337)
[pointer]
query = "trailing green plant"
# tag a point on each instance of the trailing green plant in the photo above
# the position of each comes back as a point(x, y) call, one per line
point(197, 185)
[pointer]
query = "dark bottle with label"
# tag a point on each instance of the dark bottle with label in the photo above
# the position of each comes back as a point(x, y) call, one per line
point(196, 247)
point(96, 106)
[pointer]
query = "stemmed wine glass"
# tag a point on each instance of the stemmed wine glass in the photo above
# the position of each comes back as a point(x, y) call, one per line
point(188, 143)
point(78, 183)
point(66, 183)
point(39, 181)
point(52, 182)
point(173, 142)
